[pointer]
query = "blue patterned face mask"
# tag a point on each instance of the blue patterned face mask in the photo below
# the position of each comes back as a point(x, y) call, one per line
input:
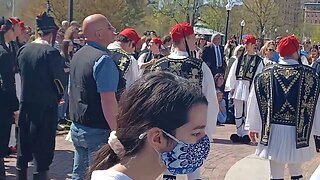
point(186, 158)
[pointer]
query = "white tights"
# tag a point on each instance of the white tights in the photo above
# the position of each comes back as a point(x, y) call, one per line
point(240, 113)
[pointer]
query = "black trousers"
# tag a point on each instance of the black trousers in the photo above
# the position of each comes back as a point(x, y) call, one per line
point(36, 136)
point(6, 119)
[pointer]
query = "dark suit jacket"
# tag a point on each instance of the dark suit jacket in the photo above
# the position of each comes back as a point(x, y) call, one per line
point(209, 56)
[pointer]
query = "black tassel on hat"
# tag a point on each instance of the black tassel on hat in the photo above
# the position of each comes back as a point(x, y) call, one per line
point(45, 23)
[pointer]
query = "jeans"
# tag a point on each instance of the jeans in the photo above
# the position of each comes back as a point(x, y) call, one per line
point(86, 141)
point(222, 117)
point(63, 108)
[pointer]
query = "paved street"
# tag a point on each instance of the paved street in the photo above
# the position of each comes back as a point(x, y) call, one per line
point(222, 157)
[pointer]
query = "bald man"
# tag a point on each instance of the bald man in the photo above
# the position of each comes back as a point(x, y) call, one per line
point(94, 79)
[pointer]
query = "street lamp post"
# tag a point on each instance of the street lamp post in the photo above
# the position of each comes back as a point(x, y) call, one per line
point(228, 8)
point(242, 24)
point(275, 33)
point(70, 10)
point(13, 8)
point(287, 31)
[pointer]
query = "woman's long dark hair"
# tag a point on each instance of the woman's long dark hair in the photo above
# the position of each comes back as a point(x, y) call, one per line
point(65, 49)
point(160, 100)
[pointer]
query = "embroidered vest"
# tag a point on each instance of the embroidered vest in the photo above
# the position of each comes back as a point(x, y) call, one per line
point(123, 62)
point(189, 68)
point(246, 68)
point(287, 95)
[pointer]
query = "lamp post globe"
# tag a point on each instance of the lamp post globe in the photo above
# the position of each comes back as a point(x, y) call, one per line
point(242, 24)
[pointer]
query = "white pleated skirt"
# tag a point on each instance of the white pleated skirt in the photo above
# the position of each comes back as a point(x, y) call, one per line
point(282, 146)
point(242, 90)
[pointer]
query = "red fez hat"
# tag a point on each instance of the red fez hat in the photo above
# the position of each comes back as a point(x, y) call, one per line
point(157, 40)
point(14, 21)
point(250, 39)
point(288, 45)
point(131, 34)
point(22, 25)
point(180, 31)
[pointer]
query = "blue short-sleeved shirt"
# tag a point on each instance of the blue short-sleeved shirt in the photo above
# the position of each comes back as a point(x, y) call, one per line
point(276, 56)
point(105, 72)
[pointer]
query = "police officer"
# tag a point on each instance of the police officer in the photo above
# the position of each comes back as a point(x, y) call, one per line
point(9, 104)
point(181, 63)
point(43, 82)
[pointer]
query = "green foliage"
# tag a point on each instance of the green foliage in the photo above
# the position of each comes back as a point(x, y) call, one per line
point(315, 36)
point(213, 17)
point(259, 15)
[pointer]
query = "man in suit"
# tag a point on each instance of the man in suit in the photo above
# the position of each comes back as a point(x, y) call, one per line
point(213, 55)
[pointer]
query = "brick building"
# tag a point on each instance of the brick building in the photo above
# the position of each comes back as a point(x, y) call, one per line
point(312, 12)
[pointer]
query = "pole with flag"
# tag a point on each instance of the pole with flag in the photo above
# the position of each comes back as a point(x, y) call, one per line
point(229, 6)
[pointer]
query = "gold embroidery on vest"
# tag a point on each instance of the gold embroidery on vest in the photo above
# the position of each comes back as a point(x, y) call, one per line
point(287, 74)
point(266, 104)
point(195, 75)
point(252, 66)
point(122, 61)
point(175, 68)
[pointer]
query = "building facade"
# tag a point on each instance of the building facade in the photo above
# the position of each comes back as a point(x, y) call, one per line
point(312, 12)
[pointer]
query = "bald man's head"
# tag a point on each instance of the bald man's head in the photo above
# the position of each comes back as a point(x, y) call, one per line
point(97, 28)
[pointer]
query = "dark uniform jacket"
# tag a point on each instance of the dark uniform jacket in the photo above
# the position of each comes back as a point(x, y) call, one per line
point(8, 97)
point(42, 75)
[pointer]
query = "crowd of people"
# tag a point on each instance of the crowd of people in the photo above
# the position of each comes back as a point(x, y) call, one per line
point(157, 99)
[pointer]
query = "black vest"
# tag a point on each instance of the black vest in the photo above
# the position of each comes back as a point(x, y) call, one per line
point(189, 68)
point(247, 67)
point(287, 95)
point(85, 101)
point(122, 61)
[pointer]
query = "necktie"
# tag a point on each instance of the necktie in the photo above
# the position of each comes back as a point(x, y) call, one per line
point(219, 62)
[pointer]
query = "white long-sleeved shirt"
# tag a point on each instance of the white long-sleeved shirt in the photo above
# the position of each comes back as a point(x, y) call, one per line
point(133, 73)
point(208, 89)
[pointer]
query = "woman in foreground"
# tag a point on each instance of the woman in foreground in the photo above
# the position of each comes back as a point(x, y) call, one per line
point(161, 125)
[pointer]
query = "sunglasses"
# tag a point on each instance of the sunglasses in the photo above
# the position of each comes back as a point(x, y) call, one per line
point(308, 42)
point(271, 50)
